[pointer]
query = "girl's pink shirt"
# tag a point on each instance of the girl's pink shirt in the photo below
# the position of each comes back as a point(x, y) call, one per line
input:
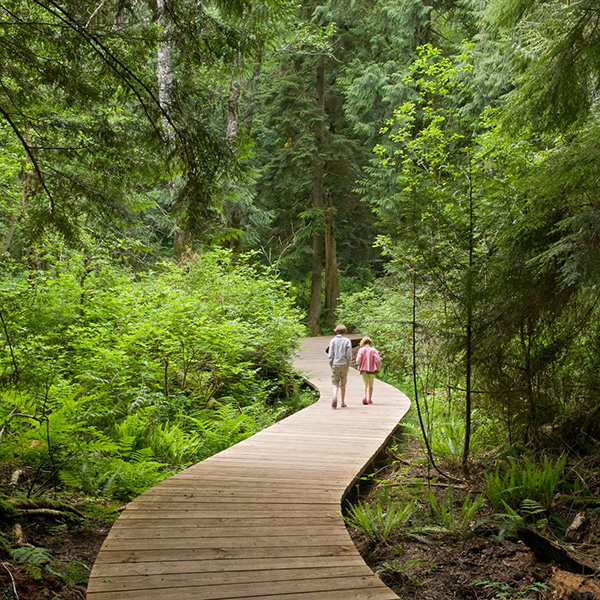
point(368, 359)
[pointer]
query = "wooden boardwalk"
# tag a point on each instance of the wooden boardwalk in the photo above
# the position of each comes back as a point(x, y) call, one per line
point(260, 520)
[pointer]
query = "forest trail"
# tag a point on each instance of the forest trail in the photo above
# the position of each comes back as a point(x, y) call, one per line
point(260, 520)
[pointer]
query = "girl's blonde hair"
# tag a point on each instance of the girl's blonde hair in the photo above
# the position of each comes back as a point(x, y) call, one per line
point(365, 340)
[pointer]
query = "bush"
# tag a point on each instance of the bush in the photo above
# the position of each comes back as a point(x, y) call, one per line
point(103, 369)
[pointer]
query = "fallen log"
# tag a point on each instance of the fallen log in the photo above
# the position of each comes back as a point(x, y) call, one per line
point(547, 551)
point(570, 586)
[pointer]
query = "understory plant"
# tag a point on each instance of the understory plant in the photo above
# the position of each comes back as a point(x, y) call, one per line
point(378, 523)
point(526, 479)
point(112, 380)
point(450, 518)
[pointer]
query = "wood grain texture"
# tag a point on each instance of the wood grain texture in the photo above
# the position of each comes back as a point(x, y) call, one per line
point(260, 520)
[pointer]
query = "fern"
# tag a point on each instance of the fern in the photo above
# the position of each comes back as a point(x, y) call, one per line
point(526, 480)
point(378, 524)
point(458, 521)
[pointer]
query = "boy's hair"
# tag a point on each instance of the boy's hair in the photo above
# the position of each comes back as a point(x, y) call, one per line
point(340, 329)
point(365, 340)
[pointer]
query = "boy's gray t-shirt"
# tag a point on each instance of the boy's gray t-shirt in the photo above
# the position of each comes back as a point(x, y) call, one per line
point(340, 351)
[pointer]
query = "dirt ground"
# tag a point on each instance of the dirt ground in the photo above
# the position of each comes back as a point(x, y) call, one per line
point(58, 550)
point(449, 568)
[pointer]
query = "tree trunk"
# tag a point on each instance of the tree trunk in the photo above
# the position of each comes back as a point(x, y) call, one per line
point(164, 69)
point(233, 105)
point(526, 334)
point(317, 203)
point(332, 281)
point(469, 335)
point(164, 73)
point(231, 208)
point(30, 183)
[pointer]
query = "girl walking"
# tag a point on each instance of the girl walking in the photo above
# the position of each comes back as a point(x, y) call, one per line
point(369, 363)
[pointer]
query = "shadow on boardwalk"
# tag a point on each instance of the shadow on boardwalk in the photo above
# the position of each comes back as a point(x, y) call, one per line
point(261, 519)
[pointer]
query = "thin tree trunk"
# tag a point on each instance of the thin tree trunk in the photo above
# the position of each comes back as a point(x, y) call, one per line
point(231, 210)
point(30, 183)
point(332, 281)
point(8, 236)
point(526, 335)
point(469, 336)
point(317, 203)
point(468, 393)
point(164, 73)
point(430, 459)
point(164, 69)
point(233, 105)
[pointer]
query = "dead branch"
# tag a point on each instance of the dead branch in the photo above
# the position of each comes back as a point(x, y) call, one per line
point(20, 537)
point(13, 414)
point(45, 507)
point(12, 579)
point(14, 479)
point(396, 458)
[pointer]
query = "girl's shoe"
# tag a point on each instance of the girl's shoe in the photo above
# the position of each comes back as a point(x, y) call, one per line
point(370, 401)
point(343, 405)
point(334, 403)
point(365, 401)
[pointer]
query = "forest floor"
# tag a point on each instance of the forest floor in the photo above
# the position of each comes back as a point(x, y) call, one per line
point(444, 565)
point(440, 565)
point(58, 552)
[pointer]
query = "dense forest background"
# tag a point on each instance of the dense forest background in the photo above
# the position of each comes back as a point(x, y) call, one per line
point(188, 188)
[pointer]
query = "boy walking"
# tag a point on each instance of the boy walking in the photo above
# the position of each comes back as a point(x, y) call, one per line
point(340, 358)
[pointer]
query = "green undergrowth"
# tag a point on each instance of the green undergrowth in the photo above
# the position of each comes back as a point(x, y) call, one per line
point(112, 381)
point(407, 506)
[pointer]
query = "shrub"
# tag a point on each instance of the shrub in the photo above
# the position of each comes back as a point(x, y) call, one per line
point(109, 376)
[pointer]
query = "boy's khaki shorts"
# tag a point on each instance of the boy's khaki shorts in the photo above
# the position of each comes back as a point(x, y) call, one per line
point(339, 376)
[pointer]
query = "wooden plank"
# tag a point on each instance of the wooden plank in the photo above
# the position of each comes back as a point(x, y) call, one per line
point(182, 567)
point(244, 511)
point(261, 519)
point(239, 541)
point(134, 557)
point(235, 590)
point(203, 579)
point(222, 521)
point(184, 531)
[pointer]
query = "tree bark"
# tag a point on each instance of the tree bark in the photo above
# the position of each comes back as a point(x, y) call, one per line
point(332, 281)
point(233, 105)
point(314, 315)
point(164, 73)
point(469, 335)
point(231, 209)
point(164, 69)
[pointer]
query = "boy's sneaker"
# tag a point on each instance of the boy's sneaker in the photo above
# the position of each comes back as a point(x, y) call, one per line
point(343, 405)
point(334, 403)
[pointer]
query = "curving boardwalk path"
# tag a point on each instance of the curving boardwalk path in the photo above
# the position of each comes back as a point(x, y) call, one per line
point(261, 520)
